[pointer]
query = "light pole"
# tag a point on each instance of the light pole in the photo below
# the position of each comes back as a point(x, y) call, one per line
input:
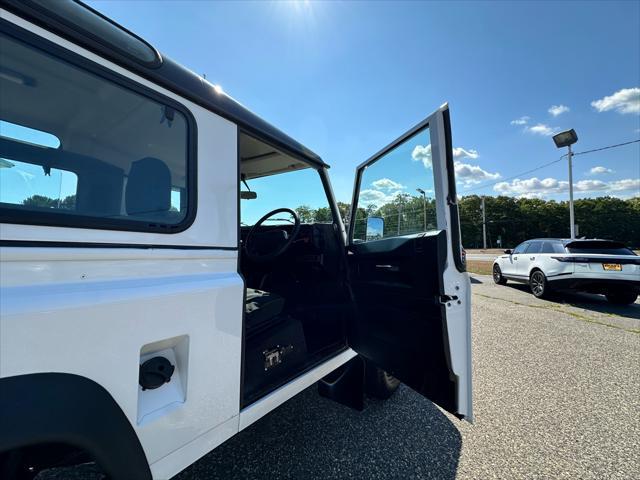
point(566, 139)
point(484, 225)
point(424, 206)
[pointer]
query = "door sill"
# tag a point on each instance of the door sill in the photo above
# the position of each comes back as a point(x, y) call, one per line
point(261, 407)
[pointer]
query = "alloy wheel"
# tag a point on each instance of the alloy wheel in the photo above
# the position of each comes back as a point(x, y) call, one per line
point(537, 283)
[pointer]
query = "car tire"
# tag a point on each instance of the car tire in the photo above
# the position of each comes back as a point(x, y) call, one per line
point(622, 298)
point(497, 275)
point(378, 383)
point(538, 284)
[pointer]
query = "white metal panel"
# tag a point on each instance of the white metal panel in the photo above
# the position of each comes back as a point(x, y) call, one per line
point(94, 324)
point(173, 463)
point(217, 215)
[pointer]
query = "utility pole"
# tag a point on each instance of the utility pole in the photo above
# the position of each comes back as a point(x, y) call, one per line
point(484, 225)
point(571, 216)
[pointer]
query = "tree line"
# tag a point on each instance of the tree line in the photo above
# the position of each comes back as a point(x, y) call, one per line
point(509, 221)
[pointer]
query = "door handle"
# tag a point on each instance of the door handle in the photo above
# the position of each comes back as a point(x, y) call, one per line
point(515, 258)
point(391, 268)
point(532, 258)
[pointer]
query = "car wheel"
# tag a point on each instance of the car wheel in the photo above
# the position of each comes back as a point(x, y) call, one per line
point(497, 275)
point(378, 383)
point(538, 284)
point(622, 298)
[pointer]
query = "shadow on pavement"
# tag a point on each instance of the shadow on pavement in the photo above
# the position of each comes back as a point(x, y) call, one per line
point(596, 303)
point(312, 437)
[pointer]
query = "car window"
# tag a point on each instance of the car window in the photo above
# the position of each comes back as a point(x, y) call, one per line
point(521, 248)
point(599, 247)
point(534, 247)
point(552, 247)
point(396, 193)
point(80, 149)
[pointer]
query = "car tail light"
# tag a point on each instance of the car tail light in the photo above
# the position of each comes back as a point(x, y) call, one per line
point(572, 259)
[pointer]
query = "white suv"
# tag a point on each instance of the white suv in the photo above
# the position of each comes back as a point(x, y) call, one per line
point(594, 266)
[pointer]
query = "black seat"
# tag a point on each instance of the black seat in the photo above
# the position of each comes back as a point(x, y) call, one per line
point(261, 308)
point(148, 191)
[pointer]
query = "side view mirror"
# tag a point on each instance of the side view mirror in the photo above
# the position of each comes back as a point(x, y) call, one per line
point(375, 228)
point(508, 251)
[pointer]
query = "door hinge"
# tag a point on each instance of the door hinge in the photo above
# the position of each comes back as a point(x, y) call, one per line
point(448, 300)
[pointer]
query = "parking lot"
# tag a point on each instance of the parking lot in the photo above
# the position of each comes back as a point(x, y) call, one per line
point(557, 395)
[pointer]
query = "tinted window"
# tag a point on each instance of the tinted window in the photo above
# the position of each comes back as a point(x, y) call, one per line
point(77, 149)
point(534, 247)
point(520, 248)
point(552, 247)
point(397, 194)
point(607, 248)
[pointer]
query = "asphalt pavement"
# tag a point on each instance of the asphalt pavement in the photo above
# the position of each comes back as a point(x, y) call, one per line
point(557, 395)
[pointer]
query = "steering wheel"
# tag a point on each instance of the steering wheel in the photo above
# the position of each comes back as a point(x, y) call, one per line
point(283, 234)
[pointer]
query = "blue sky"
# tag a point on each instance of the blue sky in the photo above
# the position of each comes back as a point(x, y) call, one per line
point(347, 78)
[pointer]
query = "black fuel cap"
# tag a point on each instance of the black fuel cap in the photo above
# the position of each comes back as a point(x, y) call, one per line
point(155, 372)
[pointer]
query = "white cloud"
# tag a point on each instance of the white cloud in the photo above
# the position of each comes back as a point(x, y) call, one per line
point(599, 170)
point(387, 184)
point(459, 152)
point(556, 110)
point(535, 187)
point(541, 129)
point(472, 174)
point(423, 154)
point(376, 197)
point(520, 121)
point(626, 100)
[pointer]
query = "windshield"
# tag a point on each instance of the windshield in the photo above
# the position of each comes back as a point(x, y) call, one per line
point(300, 190)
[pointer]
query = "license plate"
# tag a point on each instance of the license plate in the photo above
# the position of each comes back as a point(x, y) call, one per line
point(612, 266)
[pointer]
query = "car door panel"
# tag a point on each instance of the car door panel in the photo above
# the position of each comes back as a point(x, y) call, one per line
point(394, 308)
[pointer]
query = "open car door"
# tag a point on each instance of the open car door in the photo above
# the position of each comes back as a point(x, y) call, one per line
point(406, 270)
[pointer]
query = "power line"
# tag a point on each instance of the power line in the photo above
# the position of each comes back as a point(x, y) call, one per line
point(544, 165)
point(606, 148)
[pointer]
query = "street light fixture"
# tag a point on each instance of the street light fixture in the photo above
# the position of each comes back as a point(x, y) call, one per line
point(424, 206)
point(566, 139)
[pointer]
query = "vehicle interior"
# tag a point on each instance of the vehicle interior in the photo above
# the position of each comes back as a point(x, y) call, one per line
point(296, 299)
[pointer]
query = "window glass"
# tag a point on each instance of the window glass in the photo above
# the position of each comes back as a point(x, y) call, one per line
point(73, 143)
point(534, 247)
point(299, 190)
point(606, 248)
point(397, 194)
point(552, 247)
point(520, 248)
point(36, 187)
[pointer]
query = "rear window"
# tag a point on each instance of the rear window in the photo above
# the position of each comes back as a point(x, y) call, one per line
point(83, 149)
point(606, 248)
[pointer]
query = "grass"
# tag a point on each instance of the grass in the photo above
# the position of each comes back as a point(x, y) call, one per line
point(558, 308)
point(481, 268)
